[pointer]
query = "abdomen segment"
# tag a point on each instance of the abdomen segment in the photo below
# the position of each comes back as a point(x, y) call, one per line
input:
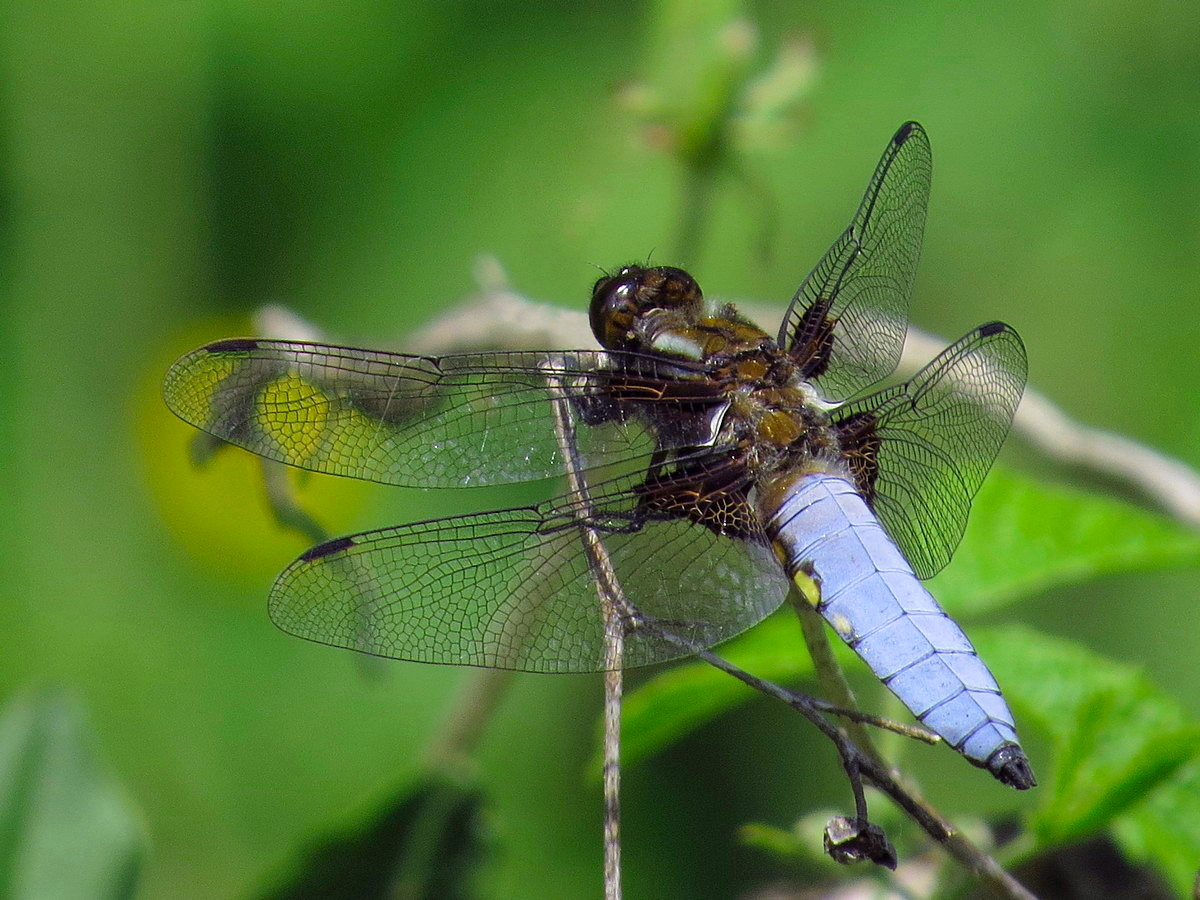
point(871, 597)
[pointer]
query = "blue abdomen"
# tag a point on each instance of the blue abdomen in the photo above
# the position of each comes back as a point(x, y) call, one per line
point(872, 598)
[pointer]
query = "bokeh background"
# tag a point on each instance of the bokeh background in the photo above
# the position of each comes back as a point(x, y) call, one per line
point(167, 168)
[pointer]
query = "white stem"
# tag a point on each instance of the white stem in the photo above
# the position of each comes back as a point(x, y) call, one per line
point(500, 318)
point(613, 608)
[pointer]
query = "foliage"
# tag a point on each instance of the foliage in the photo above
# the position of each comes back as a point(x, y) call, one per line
point(1120, 747)
point(424, 845)
point(165, 169)
point(55, 794)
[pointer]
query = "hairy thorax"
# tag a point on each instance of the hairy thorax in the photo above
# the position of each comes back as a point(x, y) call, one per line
point(772, 419)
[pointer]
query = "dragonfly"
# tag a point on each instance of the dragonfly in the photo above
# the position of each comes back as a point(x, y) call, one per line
point(724, 467)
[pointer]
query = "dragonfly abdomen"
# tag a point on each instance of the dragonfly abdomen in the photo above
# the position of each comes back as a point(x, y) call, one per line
point(868, 592)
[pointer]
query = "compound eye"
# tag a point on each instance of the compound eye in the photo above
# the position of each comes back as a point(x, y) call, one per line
point(601, 285)
point(613, 310)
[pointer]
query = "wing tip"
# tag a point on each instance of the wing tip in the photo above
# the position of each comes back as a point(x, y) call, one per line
point(1014, 342)
point(990, 329)
point(905, 131)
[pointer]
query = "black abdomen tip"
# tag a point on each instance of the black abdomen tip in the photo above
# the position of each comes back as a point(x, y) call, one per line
point(327, 549)
point(1011, 766)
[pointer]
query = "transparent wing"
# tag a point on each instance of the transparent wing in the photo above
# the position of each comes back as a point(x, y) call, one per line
point(846, 324)
point(514, 590)
point(920, 450)
point(451, 421)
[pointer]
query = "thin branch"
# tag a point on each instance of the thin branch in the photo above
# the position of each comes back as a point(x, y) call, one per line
point(983, 866)
point(833, 683)
point(614, 610)
point(614, 636)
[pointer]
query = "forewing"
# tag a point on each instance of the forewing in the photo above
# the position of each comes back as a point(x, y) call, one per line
point(515, 589)
point(845, 326)
point(920, 450)
point(452, 421)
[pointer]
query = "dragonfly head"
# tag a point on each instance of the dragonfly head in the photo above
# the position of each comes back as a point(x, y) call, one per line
point(622, 300)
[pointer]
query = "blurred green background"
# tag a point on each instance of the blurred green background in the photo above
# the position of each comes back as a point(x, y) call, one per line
point(166, 168)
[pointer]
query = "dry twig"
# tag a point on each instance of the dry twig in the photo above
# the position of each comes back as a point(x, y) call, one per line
point(499, 318)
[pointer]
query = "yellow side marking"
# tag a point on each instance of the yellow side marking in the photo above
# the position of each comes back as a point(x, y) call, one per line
point(809, 585)
point(809, 589)
point(843, 627)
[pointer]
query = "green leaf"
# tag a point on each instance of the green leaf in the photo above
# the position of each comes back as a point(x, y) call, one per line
point(1116, 737)
point(1025, 537)
point(66, 828)
point(1164, 828)
point(425, 844)
point(783, 844)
